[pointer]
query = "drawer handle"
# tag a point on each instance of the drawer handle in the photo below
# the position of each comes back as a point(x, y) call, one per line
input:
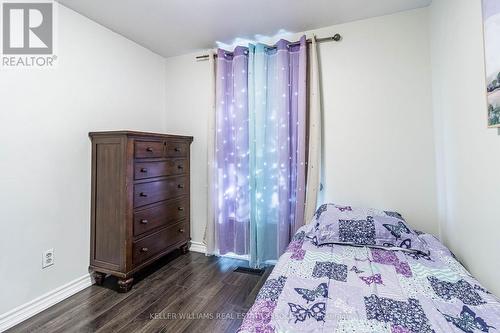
point(180, 186)
point(144, 221)
point(177, 149)
point(180, 208)
point(142, 194)
point(144, 170)
point(149, 149)
point(180, 167)
point(181, 230)
point(144, 249)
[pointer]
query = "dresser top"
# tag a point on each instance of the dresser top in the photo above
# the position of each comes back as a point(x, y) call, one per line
point(139, 134)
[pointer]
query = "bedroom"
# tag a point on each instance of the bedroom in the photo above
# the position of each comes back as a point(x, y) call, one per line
point(395, 107)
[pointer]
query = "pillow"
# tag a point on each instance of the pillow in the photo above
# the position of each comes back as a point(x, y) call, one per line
point(370, 227)
point(349, 212)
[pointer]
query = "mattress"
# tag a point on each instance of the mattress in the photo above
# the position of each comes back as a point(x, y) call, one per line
point(344, 288)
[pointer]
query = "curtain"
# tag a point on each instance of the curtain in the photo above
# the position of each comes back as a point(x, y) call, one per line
point(232, 186)
point(277, 104)
point(260, 149)
point(209, 237)
point(314, 165)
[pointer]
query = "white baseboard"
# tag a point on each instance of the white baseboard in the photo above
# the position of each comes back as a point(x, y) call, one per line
point(27, 310)
point(198, 247)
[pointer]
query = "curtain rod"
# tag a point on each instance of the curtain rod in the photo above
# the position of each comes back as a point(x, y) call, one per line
point(335, 38)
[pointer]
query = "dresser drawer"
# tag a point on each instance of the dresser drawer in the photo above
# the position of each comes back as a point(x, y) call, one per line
point(177, 149)
point(148, 149)
point(151, 245)
point(148, 193)
point(159, 215)
point(144, 170)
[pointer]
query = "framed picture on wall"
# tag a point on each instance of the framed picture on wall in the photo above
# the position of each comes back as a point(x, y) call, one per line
point(491, 21)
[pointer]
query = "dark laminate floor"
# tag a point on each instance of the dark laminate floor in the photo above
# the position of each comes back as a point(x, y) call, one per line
point(190, 285)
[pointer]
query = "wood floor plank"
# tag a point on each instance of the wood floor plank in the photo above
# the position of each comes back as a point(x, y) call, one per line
point(58, 310)
point(247, 304)
point(200, 285)
point(184, 293)
point(139, 294)
point(155, 310)
point(147, 291)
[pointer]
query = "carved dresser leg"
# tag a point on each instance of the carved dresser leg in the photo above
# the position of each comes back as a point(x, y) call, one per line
point(124, 285)
point(99, 278)
point(184, 248)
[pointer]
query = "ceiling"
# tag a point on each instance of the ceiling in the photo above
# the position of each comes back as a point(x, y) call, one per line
point(175, 27)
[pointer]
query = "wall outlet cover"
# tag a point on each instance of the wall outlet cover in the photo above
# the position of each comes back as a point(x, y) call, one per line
point(48, 258)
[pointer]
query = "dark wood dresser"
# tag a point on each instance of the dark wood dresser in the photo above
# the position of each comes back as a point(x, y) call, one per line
point(140, 201)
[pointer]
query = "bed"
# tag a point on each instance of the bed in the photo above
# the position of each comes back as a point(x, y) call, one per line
point(337, 287)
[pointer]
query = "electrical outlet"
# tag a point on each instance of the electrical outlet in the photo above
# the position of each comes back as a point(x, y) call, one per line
point(48, 258)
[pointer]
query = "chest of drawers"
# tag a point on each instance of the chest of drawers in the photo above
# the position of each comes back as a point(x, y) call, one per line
point(140, 201)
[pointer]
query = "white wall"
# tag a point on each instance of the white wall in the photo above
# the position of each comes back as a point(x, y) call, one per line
point(379, 142)
point(379, 138)
point(469, 159)
point(188, 103)
point(103, 82)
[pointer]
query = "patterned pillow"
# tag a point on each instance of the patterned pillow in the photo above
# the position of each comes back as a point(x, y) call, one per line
point(326, 212)
point(334, 224)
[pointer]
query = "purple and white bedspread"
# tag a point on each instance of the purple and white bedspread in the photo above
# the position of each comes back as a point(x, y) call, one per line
point(343, 288)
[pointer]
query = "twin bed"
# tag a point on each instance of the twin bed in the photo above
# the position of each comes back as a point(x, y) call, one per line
point(341, 273)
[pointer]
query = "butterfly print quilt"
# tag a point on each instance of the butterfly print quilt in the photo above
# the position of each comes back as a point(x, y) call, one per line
point(344, 288)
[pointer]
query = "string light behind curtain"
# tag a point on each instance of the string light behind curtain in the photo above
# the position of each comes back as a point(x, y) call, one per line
point(232, 170)
point(259, 171)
